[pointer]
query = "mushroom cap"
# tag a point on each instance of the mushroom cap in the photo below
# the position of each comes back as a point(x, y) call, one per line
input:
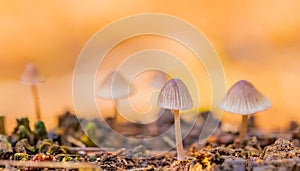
point(159, 79)
point(175, 95)
point(115, 86)
point(243, 98)
point(30, 75)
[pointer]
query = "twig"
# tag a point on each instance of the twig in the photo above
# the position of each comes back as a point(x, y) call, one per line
point(169, 141)
point(118, 152)
point(75, 141)
point(45, 164)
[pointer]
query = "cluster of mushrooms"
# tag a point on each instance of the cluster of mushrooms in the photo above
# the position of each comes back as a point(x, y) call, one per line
point(242, 98)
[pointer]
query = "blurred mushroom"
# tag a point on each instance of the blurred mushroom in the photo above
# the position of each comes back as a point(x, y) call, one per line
point(114, 87)
point(175, 96)
point(159, 79)
point(243, 98)
point(31, 77)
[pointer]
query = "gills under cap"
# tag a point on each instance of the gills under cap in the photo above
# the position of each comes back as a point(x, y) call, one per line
point(115, 86)
point(175, 95)
point(30, 75)
point(244, 98)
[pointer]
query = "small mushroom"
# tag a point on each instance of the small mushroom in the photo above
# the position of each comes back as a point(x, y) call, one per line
point(159, 79)
point(175, 96)
point(114, 87)
point(244, 99)
point(31, 77)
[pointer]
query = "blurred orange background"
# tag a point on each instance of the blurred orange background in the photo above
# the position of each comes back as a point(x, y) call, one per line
point(256, 40)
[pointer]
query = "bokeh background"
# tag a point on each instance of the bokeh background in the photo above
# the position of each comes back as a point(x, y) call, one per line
point(256, 40)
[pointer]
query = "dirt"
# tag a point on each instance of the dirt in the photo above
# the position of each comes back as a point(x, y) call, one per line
point(26, 149)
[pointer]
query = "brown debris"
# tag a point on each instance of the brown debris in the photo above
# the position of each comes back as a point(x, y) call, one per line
point(281, 149)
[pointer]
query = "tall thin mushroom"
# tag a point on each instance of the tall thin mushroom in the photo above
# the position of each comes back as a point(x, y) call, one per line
point(114, 87)
point(31, 77)
point(175, 96)
point(244, 99)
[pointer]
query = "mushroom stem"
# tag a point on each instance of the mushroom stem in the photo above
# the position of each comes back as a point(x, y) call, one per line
point(2, 125)
point(244, 127)
point(36, 101)
point(179, 146)
point(116, 114)
point(116, 105)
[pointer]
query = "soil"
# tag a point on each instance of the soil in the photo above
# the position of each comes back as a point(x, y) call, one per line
point(69, 148)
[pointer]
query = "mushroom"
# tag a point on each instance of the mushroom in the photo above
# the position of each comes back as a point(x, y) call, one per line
point(244, 99)
point(158, 79)
point(31, 77)
point(175, 96)
point(114, 87)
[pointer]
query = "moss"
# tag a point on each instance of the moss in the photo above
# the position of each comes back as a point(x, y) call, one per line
point(47, 146)
point(40, 131)
point(67, 158)
point(21, 156)
point(23, 146)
